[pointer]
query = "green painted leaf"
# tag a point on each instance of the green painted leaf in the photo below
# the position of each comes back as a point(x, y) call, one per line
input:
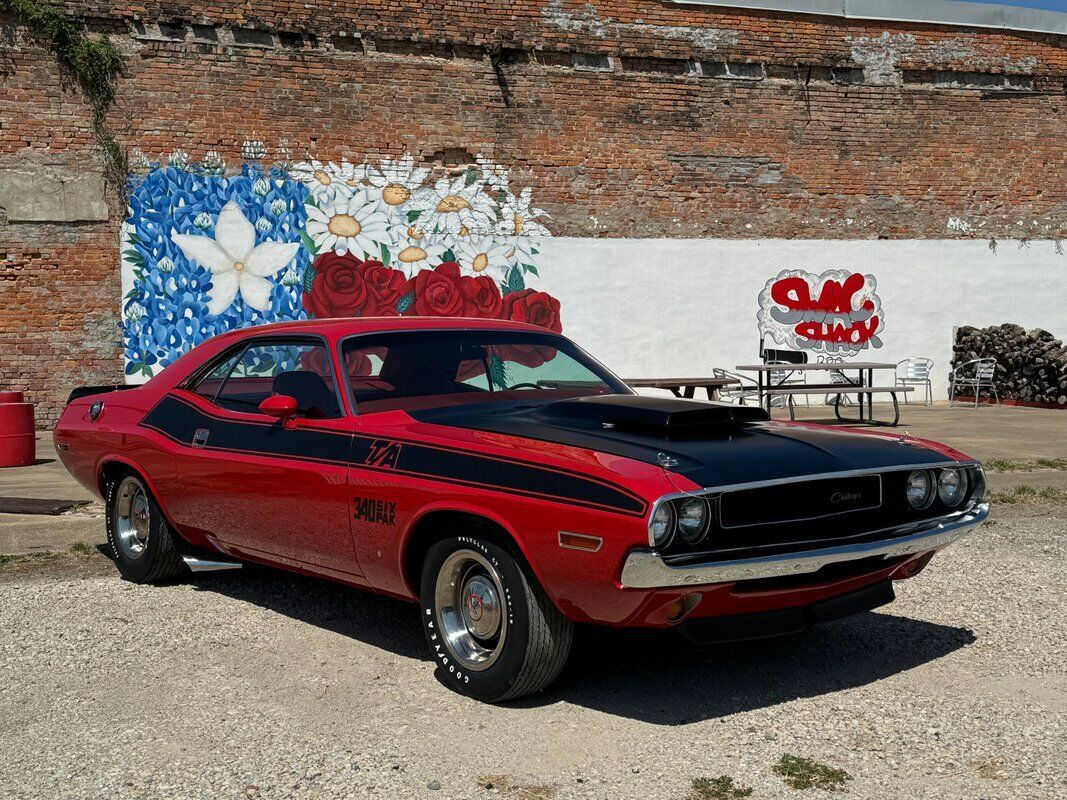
point(448, 255)
point(309, 243)
point(471, 177)
point(134, 257)
point(386, 255)
point(133, 238)
point(413, 215)
point(531, 269)
point(498, 372)
point(516, 283)
point(310, 201)
point(405, 302)
point(309, 277)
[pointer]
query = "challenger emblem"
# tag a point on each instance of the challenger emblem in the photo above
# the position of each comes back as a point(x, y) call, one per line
point(845, 497)
point(383, 454)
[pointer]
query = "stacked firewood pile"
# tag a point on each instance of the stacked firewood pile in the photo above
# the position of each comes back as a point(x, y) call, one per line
point(1031, 365)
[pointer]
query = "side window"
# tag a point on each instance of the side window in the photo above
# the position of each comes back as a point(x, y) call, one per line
point(298, 369)
point(208, 386)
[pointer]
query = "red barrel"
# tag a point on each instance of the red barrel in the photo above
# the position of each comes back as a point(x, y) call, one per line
point(18, 439)
point(10, 396)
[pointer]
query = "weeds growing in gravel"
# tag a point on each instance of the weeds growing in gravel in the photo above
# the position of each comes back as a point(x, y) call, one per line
point(81, 548)
point(803, 773)
point(721, 788)
point(1029, 494)
point(1024, 465)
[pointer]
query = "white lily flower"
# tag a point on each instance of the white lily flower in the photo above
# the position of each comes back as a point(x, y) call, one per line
point(236, 262)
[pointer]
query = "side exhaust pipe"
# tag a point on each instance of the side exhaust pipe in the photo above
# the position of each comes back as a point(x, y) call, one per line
point(205, 565)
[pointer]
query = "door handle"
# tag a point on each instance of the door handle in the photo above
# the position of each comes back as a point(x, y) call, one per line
point(200, 437)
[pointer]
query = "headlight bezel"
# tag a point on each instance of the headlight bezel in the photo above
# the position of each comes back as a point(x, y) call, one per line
point(671, 527)
point(690, 538)
point(931, 489)
point(962, 487)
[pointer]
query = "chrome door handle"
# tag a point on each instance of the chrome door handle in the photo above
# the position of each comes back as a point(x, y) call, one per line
point(200, 437)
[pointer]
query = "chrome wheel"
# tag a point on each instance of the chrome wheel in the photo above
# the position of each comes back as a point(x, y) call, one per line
point(133, 518)
point(471, 609)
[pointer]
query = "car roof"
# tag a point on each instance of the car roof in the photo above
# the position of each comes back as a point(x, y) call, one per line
point(333, 330)
point(345, 326)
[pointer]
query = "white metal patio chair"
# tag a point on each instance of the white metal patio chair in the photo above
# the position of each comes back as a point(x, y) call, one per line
point(785, 377)
point(837, 377)
point(916, 372)
point(974, 375)
point(746, 388)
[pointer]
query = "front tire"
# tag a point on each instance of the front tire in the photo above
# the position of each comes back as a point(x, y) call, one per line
point(141, 541)
point(492, 630)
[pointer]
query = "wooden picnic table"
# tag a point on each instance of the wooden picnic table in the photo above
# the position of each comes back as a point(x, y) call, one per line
point(863, 369)
point(683, 387)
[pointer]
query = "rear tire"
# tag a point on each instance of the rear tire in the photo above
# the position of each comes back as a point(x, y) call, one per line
point(492, 630)
point(142, 542)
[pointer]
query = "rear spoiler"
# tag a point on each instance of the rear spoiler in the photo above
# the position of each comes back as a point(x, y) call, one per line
point(88, 391)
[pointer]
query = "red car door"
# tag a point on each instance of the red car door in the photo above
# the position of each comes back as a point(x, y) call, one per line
point(263, 487)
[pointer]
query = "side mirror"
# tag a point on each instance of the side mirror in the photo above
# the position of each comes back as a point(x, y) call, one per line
point(279, 406)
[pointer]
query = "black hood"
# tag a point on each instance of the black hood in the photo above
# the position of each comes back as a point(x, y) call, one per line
point(713, 444)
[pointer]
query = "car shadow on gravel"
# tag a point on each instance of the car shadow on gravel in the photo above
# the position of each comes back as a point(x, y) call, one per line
point(379, 621)
point(657, 677)
point(647, 675)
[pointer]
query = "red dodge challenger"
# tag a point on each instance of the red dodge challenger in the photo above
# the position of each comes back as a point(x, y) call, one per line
point(503, 479)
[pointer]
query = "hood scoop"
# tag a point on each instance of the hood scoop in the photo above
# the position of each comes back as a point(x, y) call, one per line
point(659, 416)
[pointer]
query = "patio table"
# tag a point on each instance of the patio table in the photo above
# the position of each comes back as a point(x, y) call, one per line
point(683, 387)
point(864, 378)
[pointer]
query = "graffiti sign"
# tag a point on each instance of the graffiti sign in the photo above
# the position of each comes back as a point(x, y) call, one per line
point(838, 312)
point(206, 250)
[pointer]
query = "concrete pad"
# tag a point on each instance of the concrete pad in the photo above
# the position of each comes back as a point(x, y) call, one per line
point(32, 533)
point(46, 479)
point(984, 433)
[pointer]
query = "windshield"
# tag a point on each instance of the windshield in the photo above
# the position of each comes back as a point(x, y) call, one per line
point(427, 369)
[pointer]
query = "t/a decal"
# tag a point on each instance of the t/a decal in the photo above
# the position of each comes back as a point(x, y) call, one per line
point(383, 454)
point(380, 512)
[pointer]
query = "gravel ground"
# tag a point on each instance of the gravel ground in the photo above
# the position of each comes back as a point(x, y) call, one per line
point(262, 684)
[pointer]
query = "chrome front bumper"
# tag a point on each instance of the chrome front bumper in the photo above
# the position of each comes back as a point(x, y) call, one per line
point(644, 569)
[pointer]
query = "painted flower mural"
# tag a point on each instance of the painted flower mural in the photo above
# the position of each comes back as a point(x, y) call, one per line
point(204, 252)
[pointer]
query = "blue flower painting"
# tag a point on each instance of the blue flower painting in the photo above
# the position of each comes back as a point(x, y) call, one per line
point(182, 247)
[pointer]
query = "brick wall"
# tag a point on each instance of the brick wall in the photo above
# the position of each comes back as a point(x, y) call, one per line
point(631, 119)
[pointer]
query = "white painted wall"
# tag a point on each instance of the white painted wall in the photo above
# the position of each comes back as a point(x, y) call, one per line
point(678, 307)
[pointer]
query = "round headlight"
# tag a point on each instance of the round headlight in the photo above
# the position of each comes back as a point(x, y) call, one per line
point(952, 486)
point(919, 489)
point(661, 528)
point(692, 519)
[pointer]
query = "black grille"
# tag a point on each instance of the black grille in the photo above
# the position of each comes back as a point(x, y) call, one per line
point(793, 502)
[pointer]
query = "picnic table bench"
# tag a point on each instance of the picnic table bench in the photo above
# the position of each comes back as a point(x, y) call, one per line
point(772, 379)
point(840, 389)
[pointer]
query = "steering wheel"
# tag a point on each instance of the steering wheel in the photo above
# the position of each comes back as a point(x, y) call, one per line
point(525, 386)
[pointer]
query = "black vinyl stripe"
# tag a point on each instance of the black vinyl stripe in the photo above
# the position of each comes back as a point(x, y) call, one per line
point(178, 419)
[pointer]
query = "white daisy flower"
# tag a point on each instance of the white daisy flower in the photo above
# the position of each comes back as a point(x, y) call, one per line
point(327, 180)
point(520, 225)
point(482, 255)
point(453, 207)
point(397, 179)
point(236, 262)
point(349, 224)
point(416, 250)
